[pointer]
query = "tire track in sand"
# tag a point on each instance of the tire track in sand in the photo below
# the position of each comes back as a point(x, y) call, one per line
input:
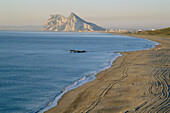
point(161, 102)
point(104, 92)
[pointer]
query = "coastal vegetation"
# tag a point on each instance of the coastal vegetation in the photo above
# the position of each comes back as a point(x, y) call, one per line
point(165, 31)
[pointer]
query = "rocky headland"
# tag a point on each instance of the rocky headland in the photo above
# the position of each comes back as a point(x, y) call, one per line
point(73, 23)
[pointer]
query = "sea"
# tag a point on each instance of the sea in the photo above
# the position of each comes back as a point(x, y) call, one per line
point(36, 68)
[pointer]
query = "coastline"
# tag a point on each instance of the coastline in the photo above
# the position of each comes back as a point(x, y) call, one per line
point(88, 78)
point(114, 82)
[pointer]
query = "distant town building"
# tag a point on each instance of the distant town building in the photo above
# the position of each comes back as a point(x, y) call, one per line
point(140, 30)
point(106, 30)
point(122, 31)
point(111, 30)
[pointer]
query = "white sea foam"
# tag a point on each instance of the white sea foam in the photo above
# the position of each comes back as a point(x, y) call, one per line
point(89, 77)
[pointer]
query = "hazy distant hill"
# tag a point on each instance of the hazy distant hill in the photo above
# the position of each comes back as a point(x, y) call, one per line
point(72, 23)
point(23, 28)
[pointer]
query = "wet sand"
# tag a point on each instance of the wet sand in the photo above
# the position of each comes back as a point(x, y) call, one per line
point(137, 82)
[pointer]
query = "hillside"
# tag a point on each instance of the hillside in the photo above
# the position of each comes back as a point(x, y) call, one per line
point(165, 31)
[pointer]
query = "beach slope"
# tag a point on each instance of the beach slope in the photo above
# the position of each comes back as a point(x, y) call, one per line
point(137, 82)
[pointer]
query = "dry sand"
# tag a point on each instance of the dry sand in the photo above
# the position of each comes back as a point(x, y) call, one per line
point(137, 82)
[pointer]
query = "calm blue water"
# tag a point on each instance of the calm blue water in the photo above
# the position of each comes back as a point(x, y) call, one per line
point(36, 66)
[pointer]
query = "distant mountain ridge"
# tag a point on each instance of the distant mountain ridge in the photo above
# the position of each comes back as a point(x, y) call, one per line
point(72, 23)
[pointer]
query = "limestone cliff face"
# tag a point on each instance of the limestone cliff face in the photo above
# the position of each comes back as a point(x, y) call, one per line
point(55, 23)
point(72, 23)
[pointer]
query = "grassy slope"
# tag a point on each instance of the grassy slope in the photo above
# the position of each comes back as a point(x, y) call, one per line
point(158, 32)
point(165, 31)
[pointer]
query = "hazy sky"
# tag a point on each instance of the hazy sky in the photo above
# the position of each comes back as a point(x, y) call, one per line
point(106, 13)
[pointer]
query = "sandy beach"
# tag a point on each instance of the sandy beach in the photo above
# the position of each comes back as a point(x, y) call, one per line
point(138, 81)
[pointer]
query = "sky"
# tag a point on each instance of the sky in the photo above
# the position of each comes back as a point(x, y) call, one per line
point(146, 14)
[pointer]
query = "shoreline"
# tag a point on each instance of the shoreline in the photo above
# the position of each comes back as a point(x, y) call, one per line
point(84, 80)
point(88, 78)
point(69, 108)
